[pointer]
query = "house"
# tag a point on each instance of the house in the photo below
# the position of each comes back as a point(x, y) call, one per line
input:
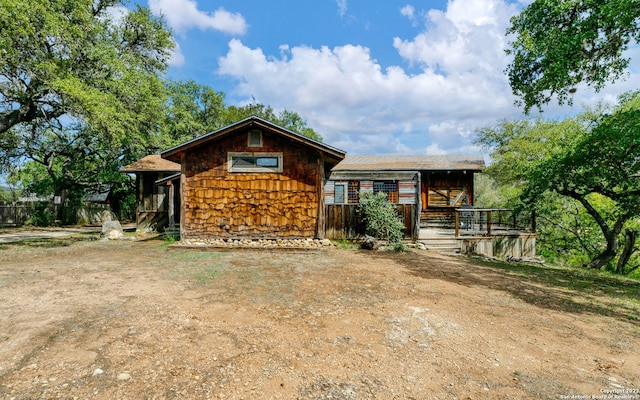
point(424, 188)
point(152, 210)
point(253, 179)
point(256, 180)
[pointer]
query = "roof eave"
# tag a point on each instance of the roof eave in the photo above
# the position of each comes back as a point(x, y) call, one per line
point(332, 151)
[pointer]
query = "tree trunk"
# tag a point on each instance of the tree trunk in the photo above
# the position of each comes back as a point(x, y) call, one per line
point(608, 254)
point(630, 238)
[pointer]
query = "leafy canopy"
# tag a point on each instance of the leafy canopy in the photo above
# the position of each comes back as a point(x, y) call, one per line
point(592, 159)
point(83, 60)
point(561, 43)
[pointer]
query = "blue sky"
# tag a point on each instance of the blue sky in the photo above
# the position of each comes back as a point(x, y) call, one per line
point(371, 77)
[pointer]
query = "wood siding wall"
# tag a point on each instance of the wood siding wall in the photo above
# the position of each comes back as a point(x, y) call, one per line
point(446, 189)
point(219, 203)
point(343, 222)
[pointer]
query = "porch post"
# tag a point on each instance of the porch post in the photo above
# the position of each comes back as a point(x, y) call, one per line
point(172, 218)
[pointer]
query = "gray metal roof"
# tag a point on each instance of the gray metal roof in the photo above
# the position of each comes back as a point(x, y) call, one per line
point(410, 163)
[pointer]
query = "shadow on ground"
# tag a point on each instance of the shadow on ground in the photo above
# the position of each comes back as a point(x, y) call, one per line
point(561, 289)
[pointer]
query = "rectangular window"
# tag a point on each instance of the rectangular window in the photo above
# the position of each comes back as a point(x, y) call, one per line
point(339, 193)
point(354, 192)
point(254, 162)
point(388, 187)
point(255, 139)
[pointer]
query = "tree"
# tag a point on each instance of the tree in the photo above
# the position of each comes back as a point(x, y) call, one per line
point(592, 159)
point(78, 60)
point(192, 110)
point(561, 43)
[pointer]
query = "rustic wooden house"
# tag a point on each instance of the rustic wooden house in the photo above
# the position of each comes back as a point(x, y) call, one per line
point(154, 201)
point(253, 179)
point(424, 188)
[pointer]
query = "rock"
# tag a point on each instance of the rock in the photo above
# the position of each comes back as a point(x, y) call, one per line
point(97, 372)
point(326, 242)
point(123, 376)
point(369, 243)
point(112, 230)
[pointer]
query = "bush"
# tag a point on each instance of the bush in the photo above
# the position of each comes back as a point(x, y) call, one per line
point(381, 219)
point(41, 215)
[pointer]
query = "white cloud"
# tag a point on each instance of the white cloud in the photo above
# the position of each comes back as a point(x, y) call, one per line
point(356, 105)
point(182, 15)
point(177, 58)
point(342, 7)
point(434, 149)
point(410, 12)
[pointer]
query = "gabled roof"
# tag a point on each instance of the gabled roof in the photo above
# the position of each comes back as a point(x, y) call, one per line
point(151, 163)
point(410, 163)
point(251, 122)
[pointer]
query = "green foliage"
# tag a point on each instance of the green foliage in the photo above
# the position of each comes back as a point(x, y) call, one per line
point(66, 60)
point(561, 43)
point(287, 119)
point(41, 215)
point(381, 219)
point(192, 110)
point(581, 175)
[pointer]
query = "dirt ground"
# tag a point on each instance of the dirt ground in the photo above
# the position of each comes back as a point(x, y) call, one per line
point(133, 320)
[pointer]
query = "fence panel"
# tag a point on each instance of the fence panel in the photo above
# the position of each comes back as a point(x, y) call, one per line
point(14, 214)
point(343, 221)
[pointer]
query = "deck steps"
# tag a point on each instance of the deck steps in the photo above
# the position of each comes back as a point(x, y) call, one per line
point(441, 245)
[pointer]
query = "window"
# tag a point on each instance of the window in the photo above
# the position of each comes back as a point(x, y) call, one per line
point(255, 139)
point(347, 192)
point(339, 193)
point(388, 187)
point(254, 162)
point(354, 192)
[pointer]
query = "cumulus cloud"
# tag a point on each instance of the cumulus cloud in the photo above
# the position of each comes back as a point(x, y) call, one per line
point(182, 15)
point(355, 104)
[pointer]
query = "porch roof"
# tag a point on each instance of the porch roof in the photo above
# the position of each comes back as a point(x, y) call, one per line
point(411, 163)
point(151, 163)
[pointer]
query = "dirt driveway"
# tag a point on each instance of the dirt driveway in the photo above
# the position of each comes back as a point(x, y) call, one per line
point(132, 320)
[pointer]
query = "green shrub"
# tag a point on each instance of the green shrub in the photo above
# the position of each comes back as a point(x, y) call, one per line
point(381, 219)
point(41, 215)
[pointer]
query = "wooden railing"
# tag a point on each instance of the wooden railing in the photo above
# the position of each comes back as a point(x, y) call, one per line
point(492, 221)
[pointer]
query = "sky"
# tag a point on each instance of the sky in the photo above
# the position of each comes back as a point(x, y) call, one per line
point(371, 77)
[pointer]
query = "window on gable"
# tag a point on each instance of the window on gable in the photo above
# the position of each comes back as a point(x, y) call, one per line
point(254, 139)
point(388, 187)
point(254, 162)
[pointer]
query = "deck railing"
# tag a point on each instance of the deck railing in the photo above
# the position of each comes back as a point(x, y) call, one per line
point(492, 222)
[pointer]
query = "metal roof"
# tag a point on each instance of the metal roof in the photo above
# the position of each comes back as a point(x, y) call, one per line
point(410, 163)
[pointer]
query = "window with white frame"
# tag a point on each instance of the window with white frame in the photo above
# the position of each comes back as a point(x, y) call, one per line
point(254, 162)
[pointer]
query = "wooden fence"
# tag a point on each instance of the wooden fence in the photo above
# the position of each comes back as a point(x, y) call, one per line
point(14, 214)
point(343, 222)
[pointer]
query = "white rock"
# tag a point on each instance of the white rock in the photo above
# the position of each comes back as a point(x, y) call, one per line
point(123, 376)
point(97, 372)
